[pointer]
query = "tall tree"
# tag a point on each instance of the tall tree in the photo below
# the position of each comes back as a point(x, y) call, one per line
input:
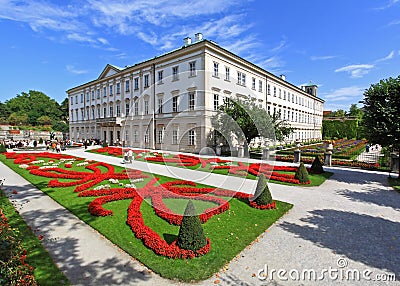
point(64, 107)
point(242, 121)
point(381, 113)
point(355, 111)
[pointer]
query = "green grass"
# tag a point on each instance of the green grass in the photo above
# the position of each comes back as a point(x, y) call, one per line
point(316, 179)
point(46, 272)
point(395, 183)
point(229, 232)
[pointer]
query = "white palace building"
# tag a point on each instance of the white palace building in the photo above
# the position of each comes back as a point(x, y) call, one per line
point(167, 102)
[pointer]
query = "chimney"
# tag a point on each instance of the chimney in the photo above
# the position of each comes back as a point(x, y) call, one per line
point(283, 77)
point(198, 37)
point(187, 41)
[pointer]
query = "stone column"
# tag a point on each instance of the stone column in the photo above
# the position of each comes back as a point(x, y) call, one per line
point(240, 151)
point(265, 154)
point(394, 163)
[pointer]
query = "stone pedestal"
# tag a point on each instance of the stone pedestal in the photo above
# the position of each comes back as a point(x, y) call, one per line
point(240, 151)
point(265, 154)
point(394, 163)
point(297, 156)
point(218, 150)
point(328, 158)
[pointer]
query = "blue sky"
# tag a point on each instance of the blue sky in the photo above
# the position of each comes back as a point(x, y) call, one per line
point(343, 46)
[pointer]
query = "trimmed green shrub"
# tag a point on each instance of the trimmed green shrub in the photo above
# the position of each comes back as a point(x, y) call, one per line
point(40, 140)
point(302, 174)
point(262, 194)
point(2, 148)
point(191, 235)
point(316, 167)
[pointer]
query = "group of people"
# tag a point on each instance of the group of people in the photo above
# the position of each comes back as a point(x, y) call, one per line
point(128, 156)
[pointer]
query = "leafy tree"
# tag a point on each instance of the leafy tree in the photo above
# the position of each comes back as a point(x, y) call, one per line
point(44, 120)
point(60, 126)
point(191, 235)
point(4, 112)
point(339, 113)
point(302, 174)
point(245, 120)
point(64, 107)
point(355, 111)
point(262, 195)
point(17, 118)
point(381, 113)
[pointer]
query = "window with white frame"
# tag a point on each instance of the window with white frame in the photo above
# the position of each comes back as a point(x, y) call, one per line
point(215, 69)
point(93, 114)
point(269, 109)
point(104, 91)
point(175, 104)
point(135, 136)
point(92, 94)
point(268, 89)
point(191, 101)
point(87, 96)
point(227, 73)
point(192, 137)
point(76, 99)
point(160, 76)
point(160, 135)
point(104, 112)
point(111, 111)
point(146, 136)
point(127, 109)
point(253, 83)
point(111, 90)
point(146, 107)
point(136, 108)
point(76, 113)
point(87, 113)
point(284, 95)
point(241, 78)
point(175, 73)
point(72, 116)
point(216, 101)
point(274, 90)
point(126, 135)
point(81, 97)
point(98, 112)
point(127, 85)
point(118, 88)
point(118, 107)
point(280, 93)
point(146, 81)
point(136, 83)
point(192, 68)
point(174, 137)
point(98, 93)
point(260, 86)
point(160, 105)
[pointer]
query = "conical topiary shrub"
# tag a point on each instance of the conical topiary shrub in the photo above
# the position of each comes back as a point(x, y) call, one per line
point(316, 167)
point(191, 235)
point(262, 195)
point(2, 148)
point(302, 174)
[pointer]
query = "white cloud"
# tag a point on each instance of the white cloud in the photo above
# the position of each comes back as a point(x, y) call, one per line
point(388, 5)
point(351, 93)
point(356, 71)
point(322, 58)
point(394, 22)
point(72, 69)
point(282, 44)
point(388, 57)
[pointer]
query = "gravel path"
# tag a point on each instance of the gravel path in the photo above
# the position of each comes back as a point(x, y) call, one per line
point(353, 220)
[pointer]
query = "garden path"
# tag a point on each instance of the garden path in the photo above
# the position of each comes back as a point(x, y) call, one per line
point(354, 216)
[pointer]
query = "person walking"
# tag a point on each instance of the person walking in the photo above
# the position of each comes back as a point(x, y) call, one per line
point(130, 156)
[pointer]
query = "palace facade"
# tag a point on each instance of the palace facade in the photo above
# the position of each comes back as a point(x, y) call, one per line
point(167, 102)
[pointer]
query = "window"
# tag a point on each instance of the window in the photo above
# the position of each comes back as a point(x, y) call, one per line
point(76, 112)
point(127, 109)
point(104, 112)
point(216, 101)
point(136, 83)
point(192, 68)
point(146, 136)
point(87, 96)
point(160, 136)
point(92, 94)
point(191, 101)
point(192, 137)
point(174, 137)
point(253, 83)
point(284, 95)
point(98, 112)
point(280, 93)
point(136, 108)
point(87, 113)
point(135, 136)
point(216, 69)
point(118, 88)
point(227, 73)
point(146, 81)
point(274, 90)
point(146, 107)
point(175, 104)
point(71, 101)
point(72, 116)
point(111, 111)
point(269, 110)
point(76, 99)
point(292, 97)
point(81, 97)
point(260, 86)
point(98, 93)
point(118, 110)
point(104, 91)
point(160, 105)
point(93, 116)
point(268, 89)
point(288, 115)
point(111, 90)
point(126, 135)
point(241, 79)
point(160, 76)
point(175, 73)
point(127, 85)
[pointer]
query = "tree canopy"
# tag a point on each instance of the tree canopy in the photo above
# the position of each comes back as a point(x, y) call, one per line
point(244, 120)
point(381, 113)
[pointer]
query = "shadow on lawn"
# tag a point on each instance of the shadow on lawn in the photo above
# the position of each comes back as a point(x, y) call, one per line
point(367, 239)
point(67, 251)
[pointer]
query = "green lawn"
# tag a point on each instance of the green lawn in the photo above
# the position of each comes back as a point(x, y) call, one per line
point(46, 272)
point(395, 183)
point(316, 179)
point(229, 232)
